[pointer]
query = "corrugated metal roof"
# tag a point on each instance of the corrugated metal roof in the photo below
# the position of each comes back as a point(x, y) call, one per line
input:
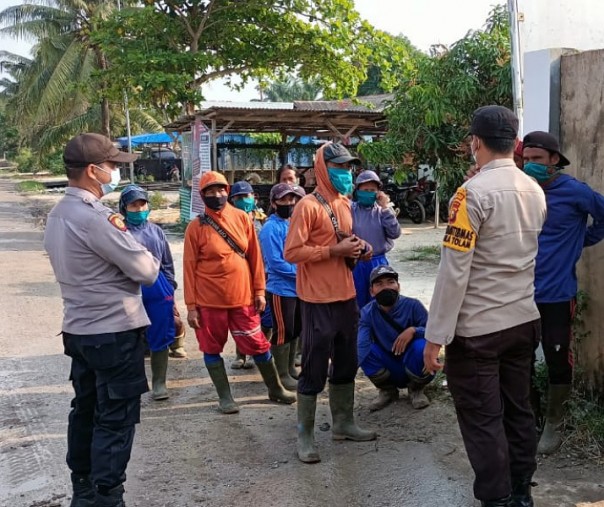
point(224, 104)
point(368, 104)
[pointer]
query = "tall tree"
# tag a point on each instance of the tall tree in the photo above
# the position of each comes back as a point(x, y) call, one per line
point(430, 115)
point(164, 52)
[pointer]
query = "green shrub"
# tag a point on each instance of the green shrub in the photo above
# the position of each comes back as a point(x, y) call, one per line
point(25, 160)
point(157, 200)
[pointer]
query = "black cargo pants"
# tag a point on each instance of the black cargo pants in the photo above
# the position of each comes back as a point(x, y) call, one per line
point(489, 378)
point(108, 377)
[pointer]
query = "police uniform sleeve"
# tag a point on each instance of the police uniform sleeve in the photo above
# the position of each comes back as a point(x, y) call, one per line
point(109, 238)
point(457, 252)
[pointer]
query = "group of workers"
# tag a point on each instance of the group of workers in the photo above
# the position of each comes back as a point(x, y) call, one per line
point(314, 272)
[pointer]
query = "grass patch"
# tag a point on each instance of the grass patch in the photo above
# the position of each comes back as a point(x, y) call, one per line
point(30, 186)
point(424, 253)
point(157, 200)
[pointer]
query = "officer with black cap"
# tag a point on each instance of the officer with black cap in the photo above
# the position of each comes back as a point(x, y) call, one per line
point(100, 268)
point(570, 203)
point(483, 310)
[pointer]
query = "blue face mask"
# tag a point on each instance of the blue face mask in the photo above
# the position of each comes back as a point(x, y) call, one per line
point(341, 179)
point(538, 171)
point(137, 217)
point(366, 198)
point(246, 204)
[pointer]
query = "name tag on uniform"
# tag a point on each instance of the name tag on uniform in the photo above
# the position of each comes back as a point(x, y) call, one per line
point(459, 234)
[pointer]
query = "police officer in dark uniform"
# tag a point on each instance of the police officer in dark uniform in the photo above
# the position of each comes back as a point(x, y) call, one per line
point(100, 268)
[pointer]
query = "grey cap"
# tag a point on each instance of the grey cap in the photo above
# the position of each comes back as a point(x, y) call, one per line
point(280, 190)
point(130, 194)
point(381, 271)
point(338, 154)
point(366, 176)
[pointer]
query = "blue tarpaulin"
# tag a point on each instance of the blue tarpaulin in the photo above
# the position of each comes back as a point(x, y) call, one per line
point(158, 138)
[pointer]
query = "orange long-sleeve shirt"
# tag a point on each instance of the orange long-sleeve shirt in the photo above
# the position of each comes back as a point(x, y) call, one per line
point(214, 275)
point(321, 278)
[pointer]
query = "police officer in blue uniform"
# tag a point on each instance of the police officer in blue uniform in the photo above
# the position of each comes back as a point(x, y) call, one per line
point(100, 268)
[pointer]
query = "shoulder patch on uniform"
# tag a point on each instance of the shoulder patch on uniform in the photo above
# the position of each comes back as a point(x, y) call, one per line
point(117, 222)
point(459, 234)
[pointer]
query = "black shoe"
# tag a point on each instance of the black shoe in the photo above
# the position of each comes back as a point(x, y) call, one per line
point(111, 498)
point(83, 491)
point(521, 492)
point(501, 502)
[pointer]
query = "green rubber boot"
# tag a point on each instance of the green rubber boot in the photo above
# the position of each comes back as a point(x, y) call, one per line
point(307, 406)
point(226, 403)
point(551, 438)
point(293, 347)
point(341, 403)
point(276, 392)
point(159, 369)
point(281, 355)
point(387, 391)
point(415, 387)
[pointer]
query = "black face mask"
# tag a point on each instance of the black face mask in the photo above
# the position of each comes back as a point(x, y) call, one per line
point(386, 297)
point(284, 210)
point(215, 203)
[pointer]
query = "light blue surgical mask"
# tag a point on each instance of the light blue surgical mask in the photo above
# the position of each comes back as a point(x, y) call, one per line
point(539, 171)
point(341, 179)
point(366, 198)
point(137, 217)
point(246, 204)
point(107, 188)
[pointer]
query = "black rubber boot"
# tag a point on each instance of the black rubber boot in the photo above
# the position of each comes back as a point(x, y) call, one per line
point(521, 492)
point(341, 403)
point(307, 406)
point(387, 391)
point(276, 391)
point(113, 498)
point(501, 502)
point(226, 403)
point(281, 356)
point(83, 491)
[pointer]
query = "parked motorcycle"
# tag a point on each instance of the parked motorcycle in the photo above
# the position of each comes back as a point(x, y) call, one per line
point(404, 196)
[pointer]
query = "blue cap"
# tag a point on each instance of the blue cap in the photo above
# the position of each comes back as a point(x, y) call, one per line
point(366, 176)
point(130, 194)
point(241, 188)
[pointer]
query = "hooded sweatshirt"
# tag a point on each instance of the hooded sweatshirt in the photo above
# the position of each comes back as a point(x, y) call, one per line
point(215, 276)
point(321, 278)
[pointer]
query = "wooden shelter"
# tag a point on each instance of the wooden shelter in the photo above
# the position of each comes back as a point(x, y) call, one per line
point(339, 120)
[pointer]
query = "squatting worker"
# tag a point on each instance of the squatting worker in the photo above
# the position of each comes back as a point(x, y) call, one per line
point(100, 268)
point(225, 289)
point(326, 291)
point(483, 310)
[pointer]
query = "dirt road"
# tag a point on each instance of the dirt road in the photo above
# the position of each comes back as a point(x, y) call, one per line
point(187, 454)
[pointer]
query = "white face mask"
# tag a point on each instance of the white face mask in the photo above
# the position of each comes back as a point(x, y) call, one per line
point(107, 188)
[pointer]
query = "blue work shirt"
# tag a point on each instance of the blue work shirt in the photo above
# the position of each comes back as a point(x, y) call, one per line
point(376, 225)
point(153, 239)
point(281, 275)
point(569, 204)
point(407, 312)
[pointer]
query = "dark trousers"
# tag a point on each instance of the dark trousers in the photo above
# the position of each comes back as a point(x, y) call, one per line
point(556, 339)
point(108, 377)
point(489, 378)
point(287, 318)
point(329, 332)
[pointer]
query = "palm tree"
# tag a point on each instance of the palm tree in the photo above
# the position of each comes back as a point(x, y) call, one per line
point(290, 89)
point(54, 93)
